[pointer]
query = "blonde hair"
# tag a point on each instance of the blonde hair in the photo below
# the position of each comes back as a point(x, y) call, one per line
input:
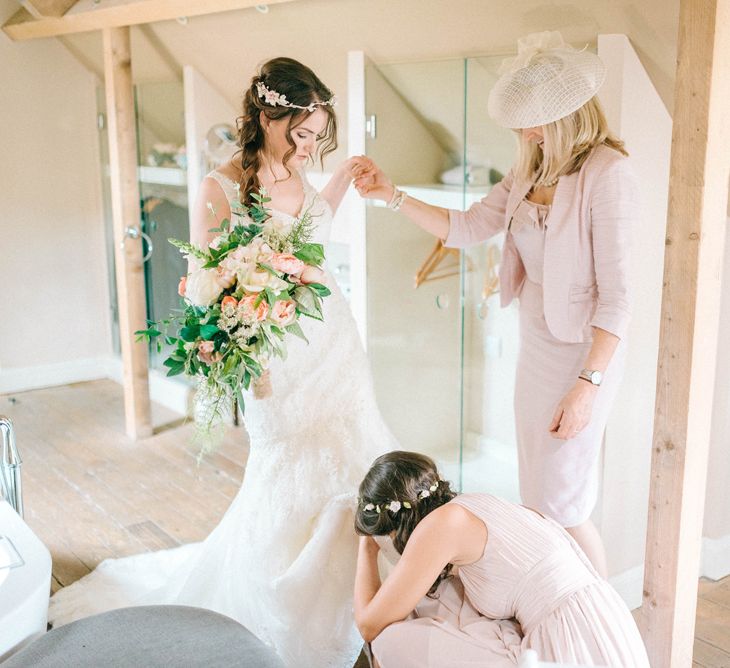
point(567, 143)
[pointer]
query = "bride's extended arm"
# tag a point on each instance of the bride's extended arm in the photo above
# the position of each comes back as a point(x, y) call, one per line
point(337, 186)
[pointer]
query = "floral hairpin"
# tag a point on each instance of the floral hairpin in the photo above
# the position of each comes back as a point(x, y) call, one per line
point(274, 99)
point(395, 506)
point(427, 492)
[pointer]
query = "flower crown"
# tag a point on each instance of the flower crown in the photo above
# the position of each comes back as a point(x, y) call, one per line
point(274, 99)
point(395, 506)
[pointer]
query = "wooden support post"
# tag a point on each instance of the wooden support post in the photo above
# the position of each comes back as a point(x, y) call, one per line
point(126, 213)
point(698, 193)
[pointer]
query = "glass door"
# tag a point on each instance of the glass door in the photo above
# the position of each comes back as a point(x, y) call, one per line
point(490, 345)
point(163, 196)
point(415, 132)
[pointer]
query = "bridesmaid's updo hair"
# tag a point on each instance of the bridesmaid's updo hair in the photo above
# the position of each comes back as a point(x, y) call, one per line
point(408, 479)
point(302, 87)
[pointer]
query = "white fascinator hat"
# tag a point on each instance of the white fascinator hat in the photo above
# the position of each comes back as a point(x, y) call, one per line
point(548, 80)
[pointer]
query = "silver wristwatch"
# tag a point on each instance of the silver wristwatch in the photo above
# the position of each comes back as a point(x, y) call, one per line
point(593, 377)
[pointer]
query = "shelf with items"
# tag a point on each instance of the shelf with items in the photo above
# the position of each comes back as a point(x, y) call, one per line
point(166, 176)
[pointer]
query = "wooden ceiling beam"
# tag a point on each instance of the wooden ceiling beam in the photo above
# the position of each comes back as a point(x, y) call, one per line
point(41, 9)
point(24, 26)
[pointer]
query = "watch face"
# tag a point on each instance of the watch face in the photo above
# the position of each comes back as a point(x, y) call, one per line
point(596, 377)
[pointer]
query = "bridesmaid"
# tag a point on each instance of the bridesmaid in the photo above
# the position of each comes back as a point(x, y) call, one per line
point(567, 207)
point(522, 582)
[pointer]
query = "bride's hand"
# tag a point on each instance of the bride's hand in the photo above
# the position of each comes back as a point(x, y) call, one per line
point(370, 181)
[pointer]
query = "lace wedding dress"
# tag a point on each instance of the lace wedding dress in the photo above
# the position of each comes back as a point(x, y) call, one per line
point(282, 559)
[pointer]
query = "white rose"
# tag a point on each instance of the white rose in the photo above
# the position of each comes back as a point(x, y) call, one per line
point(254, 280)
point(202, 287)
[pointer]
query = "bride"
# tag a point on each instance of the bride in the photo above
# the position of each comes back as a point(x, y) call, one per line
point(282, 560)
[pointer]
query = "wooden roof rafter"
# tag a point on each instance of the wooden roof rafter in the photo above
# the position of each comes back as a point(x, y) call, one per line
point(41, 9)
point(23, 25)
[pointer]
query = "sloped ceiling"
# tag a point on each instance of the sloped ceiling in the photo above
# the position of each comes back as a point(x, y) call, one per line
point(227, 47)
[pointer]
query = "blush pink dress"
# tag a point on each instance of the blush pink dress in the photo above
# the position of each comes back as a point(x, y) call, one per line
point(533, 588)
point(559, 478)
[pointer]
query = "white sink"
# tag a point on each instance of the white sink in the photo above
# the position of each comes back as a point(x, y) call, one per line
point(25, 581)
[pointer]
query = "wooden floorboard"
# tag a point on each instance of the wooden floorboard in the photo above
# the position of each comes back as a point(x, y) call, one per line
point(91, 493)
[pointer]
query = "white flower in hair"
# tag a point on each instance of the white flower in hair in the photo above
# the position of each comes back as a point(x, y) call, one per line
point(394, 506)
point(424, 494)
point(369, 506)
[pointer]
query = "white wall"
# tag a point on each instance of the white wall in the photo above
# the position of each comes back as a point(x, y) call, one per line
point(204, 108)
point(53, 279)
point(716, 544)
point(636, 113)
point(227, 47)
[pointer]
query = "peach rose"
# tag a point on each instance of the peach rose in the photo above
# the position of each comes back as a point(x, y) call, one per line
point(287, 263)
point(251, 312)
point(181, 286)
point(312, 275)
point(229, 301)
point(284, 312)
point(206, 352)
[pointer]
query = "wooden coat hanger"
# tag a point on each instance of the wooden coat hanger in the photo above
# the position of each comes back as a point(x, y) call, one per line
point(433, 267)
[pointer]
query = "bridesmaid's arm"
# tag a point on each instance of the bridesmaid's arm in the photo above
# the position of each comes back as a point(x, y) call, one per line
point(435, 542)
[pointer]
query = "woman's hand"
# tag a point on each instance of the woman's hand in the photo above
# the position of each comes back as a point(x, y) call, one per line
point(574, 411)
point(370, 181)
point(368, 545)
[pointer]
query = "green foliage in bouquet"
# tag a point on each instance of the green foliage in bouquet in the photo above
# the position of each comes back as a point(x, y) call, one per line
point(228, 341)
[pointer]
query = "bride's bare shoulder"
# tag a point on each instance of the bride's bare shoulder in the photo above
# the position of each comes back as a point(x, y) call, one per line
point(230, 170)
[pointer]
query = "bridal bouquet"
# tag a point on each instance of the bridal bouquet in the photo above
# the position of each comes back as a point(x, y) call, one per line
point(242, 302)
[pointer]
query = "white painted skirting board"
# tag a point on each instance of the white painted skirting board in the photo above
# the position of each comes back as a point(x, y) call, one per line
point(715, 557)
point(169, 392)
point(50, 375)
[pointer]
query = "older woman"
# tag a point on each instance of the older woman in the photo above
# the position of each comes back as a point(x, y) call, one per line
point(567, 207)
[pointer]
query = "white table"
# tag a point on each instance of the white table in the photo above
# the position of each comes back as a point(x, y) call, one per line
point(24, 589)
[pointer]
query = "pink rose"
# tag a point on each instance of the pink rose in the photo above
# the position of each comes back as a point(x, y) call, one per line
point(287, 263)
point(250, 311)
point(181, 286)
point(312, 275)
point(206, 352)
point(284, 312)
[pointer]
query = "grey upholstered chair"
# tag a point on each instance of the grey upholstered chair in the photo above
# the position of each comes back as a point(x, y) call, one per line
point(149, 636)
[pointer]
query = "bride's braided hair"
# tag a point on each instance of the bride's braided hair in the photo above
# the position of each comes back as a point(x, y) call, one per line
point(301, 86)
point(399, 490)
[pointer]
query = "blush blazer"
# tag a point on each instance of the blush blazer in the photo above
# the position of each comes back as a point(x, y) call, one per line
point(587, 242)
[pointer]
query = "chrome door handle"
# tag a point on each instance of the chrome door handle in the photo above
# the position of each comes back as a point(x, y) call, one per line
point(136, 233)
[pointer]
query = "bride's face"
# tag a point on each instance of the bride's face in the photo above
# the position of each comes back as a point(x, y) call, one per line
point(305, 136)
